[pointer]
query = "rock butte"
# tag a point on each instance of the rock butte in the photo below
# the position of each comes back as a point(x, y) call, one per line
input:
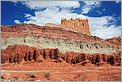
point(69, 42)
point(80, 25)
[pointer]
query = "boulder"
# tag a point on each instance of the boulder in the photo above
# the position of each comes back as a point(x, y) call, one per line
point(102, 64)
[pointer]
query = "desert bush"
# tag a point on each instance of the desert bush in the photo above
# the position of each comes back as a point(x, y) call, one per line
point(47, 75)
point(2, 77)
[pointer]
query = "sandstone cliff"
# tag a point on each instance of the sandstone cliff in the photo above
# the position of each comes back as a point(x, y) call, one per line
point(56, 52)
point(19, 53)
point(55, 37)
point(79, 25)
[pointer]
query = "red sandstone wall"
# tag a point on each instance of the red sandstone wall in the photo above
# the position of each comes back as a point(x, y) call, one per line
point(77, 24)
point(18, 53)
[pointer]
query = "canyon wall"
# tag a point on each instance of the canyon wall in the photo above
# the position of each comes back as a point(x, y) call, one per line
point(19, 53)
point(55, 37)
point(58, 52)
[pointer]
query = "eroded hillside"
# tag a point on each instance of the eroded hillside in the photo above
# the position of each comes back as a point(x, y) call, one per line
point(57, 52)
point(55, 37)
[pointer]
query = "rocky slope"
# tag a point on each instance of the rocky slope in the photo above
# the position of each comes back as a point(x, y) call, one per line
point(114, 40)
point(55, 37)
point(51, 52)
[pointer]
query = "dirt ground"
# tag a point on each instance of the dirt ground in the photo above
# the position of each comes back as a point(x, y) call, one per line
point(59, 71)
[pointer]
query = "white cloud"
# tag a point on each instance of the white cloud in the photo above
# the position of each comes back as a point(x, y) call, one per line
point(98, 27)
point(89, 5)
point(52, 14)
point(107, 32)
point(49, 4)
point(117, 1)
point(17, 21)
point(14, 1)
point(104, 9)
point(28, 15)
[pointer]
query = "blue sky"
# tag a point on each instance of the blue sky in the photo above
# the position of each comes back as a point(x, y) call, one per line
point(103, 15)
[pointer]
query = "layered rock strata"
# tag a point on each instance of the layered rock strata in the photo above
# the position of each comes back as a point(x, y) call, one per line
point(55, 37)
point(62, 52)
point(79, 25)
point(19, 53)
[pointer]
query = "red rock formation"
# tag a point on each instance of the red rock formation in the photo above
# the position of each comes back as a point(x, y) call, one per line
point(102, 64)
point(73, 58)
point(51, 33)
point(115, 41)
point(85, 63)
point(17, 53)
point(42, 57)
point(80, 25)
